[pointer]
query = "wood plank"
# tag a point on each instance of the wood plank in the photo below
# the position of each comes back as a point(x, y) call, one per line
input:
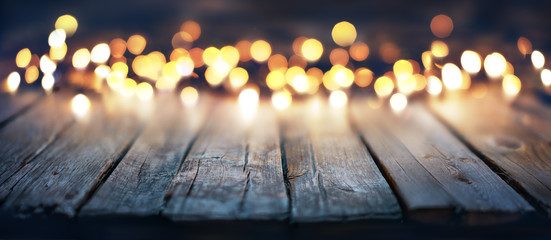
point(331, 174)
point(13, 105)
point(491, 126)
point(139, 183)
point(430, 168)
point(60, 179)
point(233, 171)
point(33, 132)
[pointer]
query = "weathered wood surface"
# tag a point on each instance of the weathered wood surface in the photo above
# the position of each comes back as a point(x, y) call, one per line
point(61, 178)
point(430, 168)
point(11, 105)
point(233, 170)
point(497, 131)
point(29, 135)
point(331, 174)
point(141, 180)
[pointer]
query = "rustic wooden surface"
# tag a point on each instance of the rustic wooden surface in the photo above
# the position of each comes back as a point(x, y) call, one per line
point(455, 157)
point(512, 141)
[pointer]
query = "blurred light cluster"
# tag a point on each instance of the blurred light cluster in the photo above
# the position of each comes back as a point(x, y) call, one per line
point(127, 67)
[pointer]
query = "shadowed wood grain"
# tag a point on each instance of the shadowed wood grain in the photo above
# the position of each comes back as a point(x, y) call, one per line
point(331, 174)
point(12, 105)
point(492, 127)
point(139, 183)
point(33, 132)
point(430, 168)
point(233, 170)
point(61, 178)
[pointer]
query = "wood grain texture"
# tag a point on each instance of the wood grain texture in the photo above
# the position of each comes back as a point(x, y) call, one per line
point(430, 168)
point(31, 133)
point(331, 174)
point(13, 105)
point(497, 131)
point(141, 180)
point(61, 178)
point(233, 171)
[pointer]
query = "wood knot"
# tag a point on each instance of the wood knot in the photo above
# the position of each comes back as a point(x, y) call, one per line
point(507, 142)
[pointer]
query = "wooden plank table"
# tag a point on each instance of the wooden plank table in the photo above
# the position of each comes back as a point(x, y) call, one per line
point(448, 160)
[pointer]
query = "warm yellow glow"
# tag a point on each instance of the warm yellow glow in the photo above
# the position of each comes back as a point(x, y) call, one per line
point(46, 65)
point(102, 71)
point(344, 77)
point(426, 58)
point(363, 77)
point(184, 66)
point(117, 47)
point(248, 99)
point(281, 100)
point(80, 105)
point(434, 85)
point(81, 58)
point(359, 51)
point(277, 62)
point(337, 99)
point(100, 53)
point(13, 81)
point(136, 44)
point(23, 58)
point(165, 84)
point(344, 34)
point(221, 68)
point(466, 80)
point(31, 74)
point(212, 77)
point(275, 80)
point(402, 70)
point(210, 55)
point(192, 29)
point(441, 26)
point(406, 86)
point(230, 55)
point(144, 91)
point(67, 23)
point(538, 60)
point(339, 56)
point(420, 82)
point(48, 82)
point(546, 77)
point(328, 80)
point(471, 61)
point(451, 76)
point(115, 80)
point(495, 64)
point(238, 77)
point(58, 53)
point(439, 49)
point(398, 102)
point(121, 68)
point(56, 38)
point(300, 83)
point(511, 85)
point(128, 88)
point(383, 86)
point(261, 50)
point(311, 50)
point(524, 46)
point(170, 70)
point(297, 45)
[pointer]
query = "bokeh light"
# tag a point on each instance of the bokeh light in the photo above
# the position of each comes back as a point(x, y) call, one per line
point(344, 33)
